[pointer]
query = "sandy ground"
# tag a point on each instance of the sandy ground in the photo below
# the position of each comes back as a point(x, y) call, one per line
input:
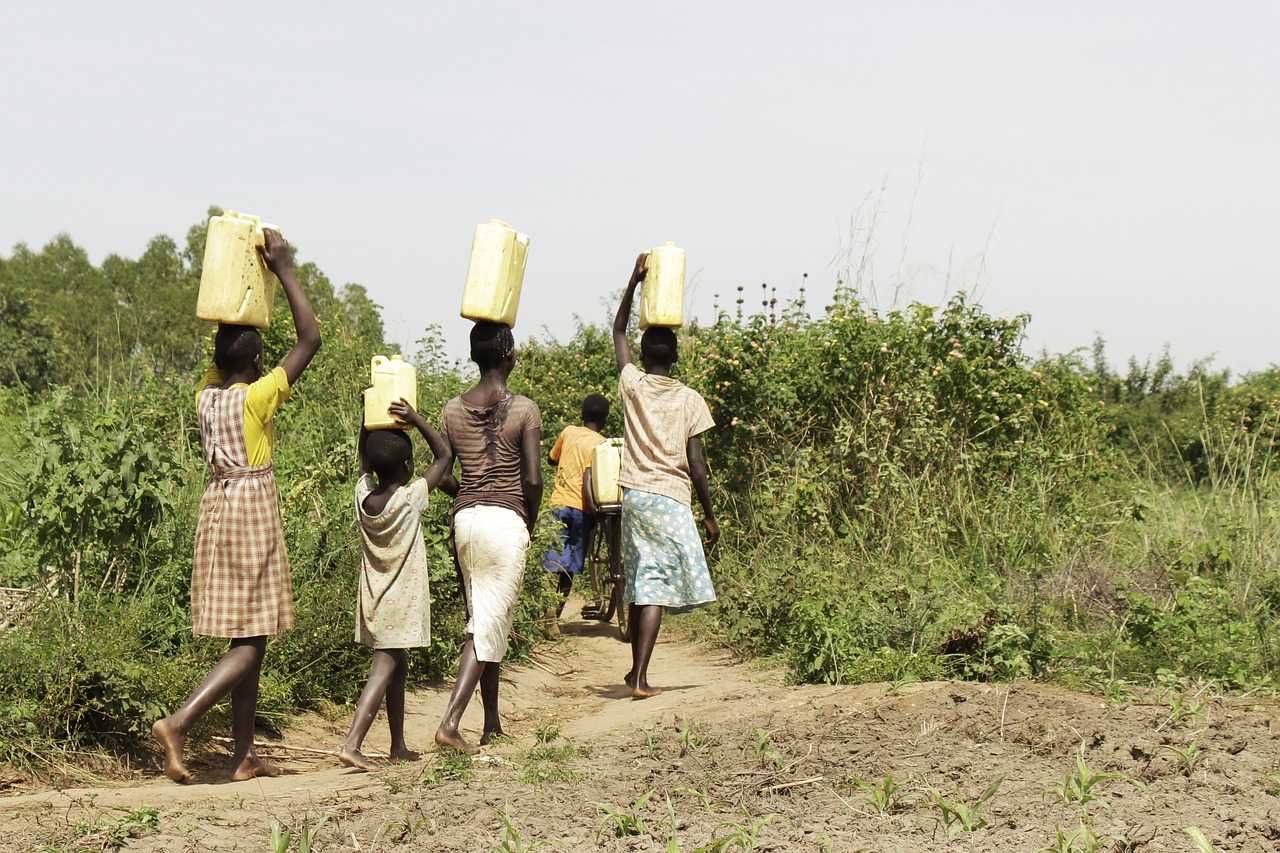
point(730, 757)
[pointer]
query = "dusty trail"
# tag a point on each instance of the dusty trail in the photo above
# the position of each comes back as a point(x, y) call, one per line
point(733, 754)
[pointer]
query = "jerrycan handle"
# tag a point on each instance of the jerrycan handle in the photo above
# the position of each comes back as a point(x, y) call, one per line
point(378, 361)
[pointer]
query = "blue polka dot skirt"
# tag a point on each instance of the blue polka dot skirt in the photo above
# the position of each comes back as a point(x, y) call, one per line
point(662, 553)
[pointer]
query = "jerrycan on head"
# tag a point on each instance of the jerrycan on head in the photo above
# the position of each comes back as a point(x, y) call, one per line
point(391, 379)
point(662, 294)
point(495, 273)
point(235, 284)
point(606, 465)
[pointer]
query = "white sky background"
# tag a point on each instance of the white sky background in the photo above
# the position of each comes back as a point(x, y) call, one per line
point(1108, 168)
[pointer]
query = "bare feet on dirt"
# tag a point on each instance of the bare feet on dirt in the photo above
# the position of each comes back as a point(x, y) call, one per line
point(252, 767)
point(455, 741)
point(399, 756)
point(355, 758)
point(642, 690)
point(173, 744)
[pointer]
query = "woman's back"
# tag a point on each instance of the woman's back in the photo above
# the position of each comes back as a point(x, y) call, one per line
point(487, 442)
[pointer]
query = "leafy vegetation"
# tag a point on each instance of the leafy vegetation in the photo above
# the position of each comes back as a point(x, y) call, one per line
point(904, 495)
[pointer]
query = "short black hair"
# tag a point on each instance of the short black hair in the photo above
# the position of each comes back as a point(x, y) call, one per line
point(595, 408)
point(387, 450)
point(235, 347)
point(491, 343)
point(658, 343)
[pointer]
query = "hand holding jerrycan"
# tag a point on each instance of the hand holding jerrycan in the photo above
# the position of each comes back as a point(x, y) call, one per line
point(392, 379)
point(235, 285)
point(662, 295)
point(495, 273)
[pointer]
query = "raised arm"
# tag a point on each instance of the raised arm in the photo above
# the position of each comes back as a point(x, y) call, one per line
point(442, 465)
point(702, 487)
point(531, 474)
point(621, 343)
point(278, 259)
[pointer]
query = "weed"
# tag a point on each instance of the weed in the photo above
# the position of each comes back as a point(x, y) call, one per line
point(1183, 710)
point(626, 821)
point(1203, 844)
point(1078, 787)
point(888, 796)
point(1189, 757)
point(702, 795)
point(739, 836)
point(307, 834)
point(956, 816)
point(280, 837)
point(511, 841)
point(1271, 783)
point(691, 740)
point(548, 761)
point(1079, 840)
point(449, 766)
point(651, 744)
point(764, 752)
point(406, 827)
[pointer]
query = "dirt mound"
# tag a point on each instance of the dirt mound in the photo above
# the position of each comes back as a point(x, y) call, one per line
point(728, 758)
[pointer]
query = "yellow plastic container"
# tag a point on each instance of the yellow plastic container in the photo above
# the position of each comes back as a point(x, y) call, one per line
point(606, 465)
point(392, 379)
point(495, 273)
point(662, 294)
point(235, 284)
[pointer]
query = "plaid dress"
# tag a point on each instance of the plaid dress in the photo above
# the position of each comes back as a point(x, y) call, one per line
point(240, 582)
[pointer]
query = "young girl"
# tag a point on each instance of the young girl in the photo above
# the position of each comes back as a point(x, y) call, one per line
point(394, 611)
point(241, 588)
point(494, 434)
point(662, 457)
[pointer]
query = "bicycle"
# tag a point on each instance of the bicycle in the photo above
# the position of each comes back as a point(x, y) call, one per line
point(604, 570)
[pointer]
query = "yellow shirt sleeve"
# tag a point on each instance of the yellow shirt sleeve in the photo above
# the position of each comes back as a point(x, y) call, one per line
point(260, 406)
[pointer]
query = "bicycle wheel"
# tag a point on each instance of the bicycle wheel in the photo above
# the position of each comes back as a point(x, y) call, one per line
point(597, 570)
point(607, 530)
point(617, 605)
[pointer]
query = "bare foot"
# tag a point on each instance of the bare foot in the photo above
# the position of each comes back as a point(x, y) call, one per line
point(629, 679)
point(355, 758)
point(252, 767)
point(639, 691)
point(403, 754)
point(455, 741)
point(172, 743)
point(490, 734)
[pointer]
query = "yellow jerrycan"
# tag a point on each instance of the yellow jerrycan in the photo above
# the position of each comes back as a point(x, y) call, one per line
point(392, 378)
point(235, 284)
point(606, 465)
point(662, 294)
point(495, 273)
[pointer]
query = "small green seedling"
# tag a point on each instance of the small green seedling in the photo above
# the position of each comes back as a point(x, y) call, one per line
point(956, 816)
point(1203, 844)
point(764, 751)
point(1078, 787)
point(1081, 840)
point(511, 841)
point(1187, 758)
point(888, 796)
point(626, 821)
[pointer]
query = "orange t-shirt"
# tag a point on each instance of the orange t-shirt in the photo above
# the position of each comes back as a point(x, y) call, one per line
point(572, 452)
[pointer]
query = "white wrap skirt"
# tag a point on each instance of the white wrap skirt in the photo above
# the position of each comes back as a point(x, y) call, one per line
point(491, 543)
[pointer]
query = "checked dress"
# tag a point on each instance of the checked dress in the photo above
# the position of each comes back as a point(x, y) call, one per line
point(240, 581)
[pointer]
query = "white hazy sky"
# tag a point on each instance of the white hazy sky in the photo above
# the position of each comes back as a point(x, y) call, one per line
point(1109, 168)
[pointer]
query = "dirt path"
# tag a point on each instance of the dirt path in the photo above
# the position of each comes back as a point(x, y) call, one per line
point(728, 758)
